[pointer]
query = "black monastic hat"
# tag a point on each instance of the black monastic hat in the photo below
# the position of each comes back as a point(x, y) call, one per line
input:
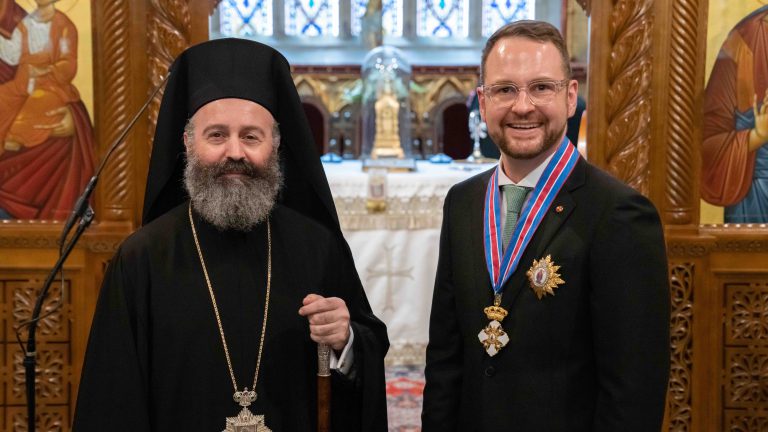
point(236, 68)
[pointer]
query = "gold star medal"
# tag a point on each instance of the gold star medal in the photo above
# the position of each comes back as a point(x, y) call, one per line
point(544, 277)
point(493, 337)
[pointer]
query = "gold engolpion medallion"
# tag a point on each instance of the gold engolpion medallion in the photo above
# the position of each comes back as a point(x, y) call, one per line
point(493, 337)
point(544, 277)
point(246, 421)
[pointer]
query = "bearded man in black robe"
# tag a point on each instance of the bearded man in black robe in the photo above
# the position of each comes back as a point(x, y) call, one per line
point(219, 300)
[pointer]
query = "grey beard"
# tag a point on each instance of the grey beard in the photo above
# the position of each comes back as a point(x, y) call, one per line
point(233, 204)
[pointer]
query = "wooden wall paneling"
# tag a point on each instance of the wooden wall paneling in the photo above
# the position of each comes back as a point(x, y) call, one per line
point(22, 273)
point(740, 277)
point(694, 315)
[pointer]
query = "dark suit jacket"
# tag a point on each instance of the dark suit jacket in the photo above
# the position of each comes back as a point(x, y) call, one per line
point(593, 357)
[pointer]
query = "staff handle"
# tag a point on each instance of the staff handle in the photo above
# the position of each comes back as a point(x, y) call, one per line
point(323, 388)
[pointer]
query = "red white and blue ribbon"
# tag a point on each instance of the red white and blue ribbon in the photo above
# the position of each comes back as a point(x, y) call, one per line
point(501, 267)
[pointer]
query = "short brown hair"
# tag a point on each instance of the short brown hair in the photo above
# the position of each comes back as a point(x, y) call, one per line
point(539, 31)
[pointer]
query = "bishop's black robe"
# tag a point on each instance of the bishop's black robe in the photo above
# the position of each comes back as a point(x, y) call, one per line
point(155, 360)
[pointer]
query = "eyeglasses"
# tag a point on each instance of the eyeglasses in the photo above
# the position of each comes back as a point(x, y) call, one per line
point(539, 92)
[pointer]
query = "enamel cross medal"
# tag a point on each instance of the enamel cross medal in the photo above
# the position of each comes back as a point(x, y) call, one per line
point(246, 421)
point(493, 336)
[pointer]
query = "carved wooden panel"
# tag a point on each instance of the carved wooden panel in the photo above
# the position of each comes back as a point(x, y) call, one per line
point(737, 422)
point(681, 340)
point(682, 114)
point(628, 106)
point(113, 112)
point(54, 419)
point(745, 358)
point(747, 314)
point(18, 294)
point(169, 35)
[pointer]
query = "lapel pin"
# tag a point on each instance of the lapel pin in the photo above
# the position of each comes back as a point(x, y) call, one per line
point(559, 209)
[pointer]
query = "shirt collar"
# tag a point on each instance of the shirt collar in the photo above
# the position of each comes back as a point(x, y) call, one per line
point(528, 181)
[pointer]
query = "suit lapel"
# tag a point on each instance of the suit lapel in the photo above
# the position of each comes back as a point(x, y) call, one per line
point(544, 235)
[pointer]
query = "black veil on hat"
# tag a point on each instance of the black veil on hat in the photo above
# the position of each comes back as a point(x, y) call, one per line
point(236, 68)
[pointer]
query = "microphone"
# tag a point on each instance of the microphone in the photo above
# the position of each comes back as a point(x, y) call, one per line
point(82, 212)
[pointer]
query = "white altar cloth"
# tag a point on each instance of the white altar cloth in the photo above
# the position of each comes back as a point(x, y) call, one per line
point(396, 250)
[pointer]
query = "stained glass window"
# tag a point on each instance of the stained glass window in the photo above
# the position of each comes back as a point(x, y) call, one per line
point(333, 31)
point(496, 13)
point(442, 18)
point(312, 18)
point(246, 18)
point(391, 20)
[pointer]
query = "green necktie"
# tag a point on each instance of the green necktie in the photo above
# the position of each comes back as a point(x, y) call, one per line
point(515, 197)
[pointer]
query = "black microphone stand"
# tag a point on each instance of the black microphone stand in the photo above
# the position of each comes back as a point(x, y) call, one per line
point(83, 212)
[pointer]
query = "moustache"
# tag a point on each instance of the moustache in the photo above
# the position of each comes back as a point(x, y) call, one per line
point(231, 166)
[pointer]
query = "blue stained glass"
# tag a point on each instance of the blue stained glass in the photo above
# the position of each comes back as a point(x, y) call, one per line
point(391, 20)
point(245, 18)
point(496, 13)
point(312, 18)
point(444, 19)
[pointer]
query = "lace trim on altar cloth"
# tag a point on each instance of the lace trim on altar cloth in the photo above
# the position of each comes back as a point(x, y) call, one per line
point(406, 354)
point(401, 213)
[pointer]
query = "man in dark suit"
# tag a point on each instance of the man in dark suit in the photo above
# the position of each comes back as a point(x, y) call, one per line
point(551, 301)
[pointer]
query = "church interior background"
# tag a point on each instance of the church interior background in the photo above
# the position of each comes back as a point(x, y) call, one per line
point(642, 67)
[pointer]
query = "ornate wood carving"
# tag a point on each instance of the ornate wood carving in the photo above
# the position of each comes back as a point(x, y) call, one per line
point(53, 419)
point(113, 115)
point(53, 369)
point(681, 196)
point(745, 356)
point(747, 377)
point(330, 90)
point(746, 422)
point(169, 35)
point(688, 249)
point(681, 326)
point(628, 107)
point(744, 238)
point(98, 243)
point(747, 312)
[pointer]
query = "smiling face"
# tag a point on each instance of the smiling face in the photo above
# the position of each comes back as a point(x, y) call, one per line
point(523, 130)
point(231, 129)
point(233, 170)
